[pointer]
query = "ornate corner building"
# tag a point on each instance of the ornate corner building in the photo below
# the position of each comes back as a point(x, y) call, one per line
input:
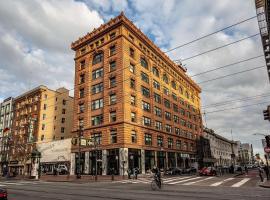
point(139, 107)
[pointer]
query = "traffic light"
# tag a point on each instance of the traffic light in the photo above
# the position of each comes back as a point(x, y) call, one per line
point(267, 140)
point(266, 114)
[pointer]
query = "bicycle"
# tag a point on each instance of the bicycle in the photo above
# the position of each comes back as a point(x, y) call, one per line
point(156, 183)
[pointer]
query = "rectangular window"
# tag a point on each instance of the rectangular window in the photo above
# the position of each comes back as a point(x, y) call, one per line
point(97, 120)
point(167, 103)
point(63, 120)
point(62, 129)
point(158, 111)
point(133, 137)
point(44, 106)
point(156, 85)
point(97, 88)
point(183, 122)
point(81, 93)
point(42, 137)
point(160, 141)
point(131, 52)
point(43, 127)
point(82, 64)
point(146, 106)
point(157, 98)
point(112, 82)
point(112, 66)
point(176, 119)
point(132, 68)
point(133, 116)
point(158, 125)
point(81, 108)
point(63, 111)
point(44, 116)
point(174, 96)
point(167, 115)
point(98, 58)
point(113, 134)
point(147, 139)
point(144, 77)
point(177, 131)
point(112, 50)
point(97, 138)
point(166, 91)
point(82, 78)
point(170, 143)
point(97, 104)
point(178, 144)
point(97, 73)
point(146, 121)
point(132, 100)
point(145, 92)
point(112, 35)
point(175, 108)
point(113, 116)
point(168, 128)
point(182, 111)
point(132, 84)
point(113, 99)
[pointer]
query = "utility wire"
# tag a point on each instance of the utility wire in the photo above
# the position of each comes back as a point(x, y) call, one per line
point(224, 66)
point(220, 77)
point(217, 48)
point(220, 30)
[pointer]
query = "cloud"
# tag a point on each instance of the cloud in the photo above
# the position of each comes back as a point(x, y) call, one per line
point(35, 42)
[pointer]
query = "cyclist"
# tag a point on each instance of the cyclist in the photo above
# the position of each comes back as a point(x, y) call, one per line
point(157, 175)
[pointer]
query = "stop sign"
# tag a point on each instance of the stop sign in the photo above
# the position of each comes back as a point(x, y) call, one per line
point(267, 149)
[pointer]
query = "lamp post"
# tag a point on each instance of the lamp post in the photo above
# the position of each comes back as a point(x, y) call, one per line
point(79, 152)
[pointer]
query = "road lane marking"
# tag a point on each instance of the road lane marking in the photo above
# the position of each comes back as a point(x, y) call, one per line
point(219, 183)
point(175, 179)
point(173, 183)
point(190, 183)
point(240, 183)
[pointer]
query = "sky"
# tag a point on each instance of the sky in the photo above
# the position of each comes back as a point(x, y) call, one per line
point(35, 38)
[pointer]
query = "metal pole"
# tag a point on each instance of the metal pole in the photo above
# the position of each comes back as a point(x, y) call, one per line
point(95, 144)
point(79, 159)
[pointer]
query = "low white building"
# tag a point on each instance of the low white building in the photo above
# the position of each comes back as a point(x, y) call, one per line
point(221, 148)
point(54, 153)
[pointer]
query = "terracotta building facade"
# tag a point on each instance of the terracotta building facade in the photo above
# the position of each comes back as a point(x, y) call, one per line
point(139, 107)
point(39, 115)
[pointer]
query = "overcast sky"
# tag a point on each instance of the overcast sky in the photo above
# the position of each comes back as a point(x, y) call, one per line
point(35, 38)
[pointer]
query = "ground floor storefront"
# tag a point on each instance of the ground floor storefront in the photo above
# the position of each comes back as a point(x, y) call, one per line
point(121, 160)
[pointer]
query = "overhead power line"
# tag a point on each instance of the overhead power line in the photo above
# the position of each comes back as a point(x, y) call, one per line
point(220, 77)
point(220, 30)
point(224, 66)
point(233, 108)
point(222, 103)
point(217, 48)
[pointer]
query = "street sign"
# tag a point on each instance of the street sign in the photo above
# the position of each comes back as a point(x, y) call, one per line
point(267, 149)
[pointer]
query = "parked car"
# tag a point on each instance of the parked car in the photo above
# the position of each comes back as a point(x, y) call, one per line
point(62, 169)
point(238, 168)
point(3, 194)
point(191, 170)
point(173, 171)
point(208, 171)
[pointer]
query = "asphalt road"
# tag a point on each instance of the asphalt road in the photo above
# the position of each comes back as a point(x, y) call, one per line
point(190, 188)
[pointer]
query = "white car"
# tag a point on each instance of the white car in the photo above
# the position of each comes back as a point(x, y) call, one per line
point(62, 169)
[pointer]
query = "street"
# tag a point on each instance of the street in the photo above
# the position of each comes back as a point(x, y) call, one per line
point(179, 187)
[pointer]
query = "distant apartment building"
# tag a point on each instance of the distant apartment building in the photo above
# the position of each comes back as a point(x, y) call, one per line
point(6, 116)
point(40, 115)
point(139, 107)
point(221, 148)
point(246, 155)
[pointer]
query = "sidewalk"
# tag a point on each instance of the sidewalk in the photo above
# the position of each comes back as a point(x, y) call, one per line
point(265, 184)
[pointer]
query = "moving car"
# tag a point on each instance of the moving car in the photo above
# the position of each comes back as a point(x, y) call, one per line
point(3, 194)
point(173, 171)
point(191, 170)
point(208, 171)
point(62, 169)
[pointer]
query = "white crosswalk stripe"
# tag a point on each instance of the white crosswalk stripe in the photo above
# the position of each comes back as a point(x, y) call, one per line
point(185, 180)
point(221, 182)
point(190, 183)
point(240, 183)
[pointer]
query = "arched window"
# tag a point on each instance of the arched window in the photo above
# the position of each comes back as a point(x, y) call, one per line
point(165, 78)
point(155, 71)
point(144, 63)
point(173, 85)
point(181, 90)
point(98, 58)
point(187, 94)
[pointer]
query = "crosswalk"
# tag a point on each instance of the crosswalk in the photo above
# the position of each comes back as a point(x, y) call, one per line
point(193, 180)
point(19, 183)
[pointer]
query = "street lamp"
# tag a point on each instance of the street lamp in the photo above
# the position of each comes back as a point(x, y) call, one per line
point(79, 158)
point(35, 160)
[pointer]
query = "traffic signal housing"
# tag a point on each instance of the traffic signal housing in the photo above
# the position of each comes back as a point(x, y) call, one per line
point(267, 140)
point(266, 113)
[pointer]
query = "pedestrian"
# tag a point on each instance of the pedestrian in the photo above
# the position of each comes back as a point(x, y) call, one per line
point(261, 173)
point(129, 173)
point(136, 173)
point(266, 169)
point(54, 171)
point(246, 170)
